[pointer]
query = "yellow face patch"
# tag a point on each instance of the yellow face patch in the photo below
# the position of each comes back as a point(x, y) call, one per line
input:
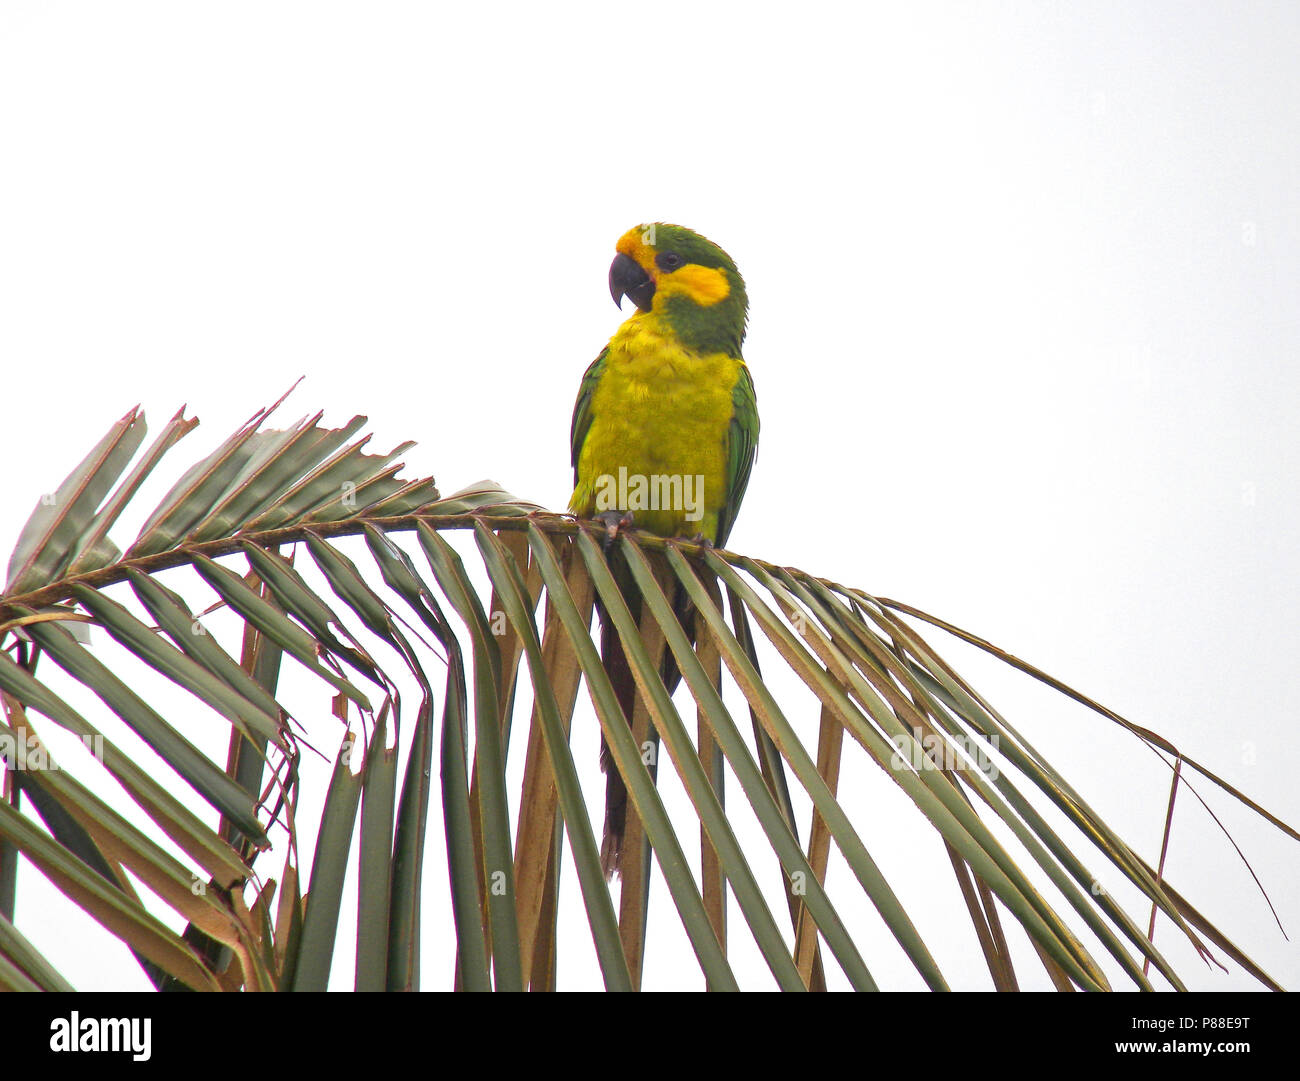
point(704, 285)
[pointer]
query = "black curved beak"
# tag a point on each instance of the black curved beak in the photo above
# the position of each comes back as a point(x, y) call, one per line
point(627, 279)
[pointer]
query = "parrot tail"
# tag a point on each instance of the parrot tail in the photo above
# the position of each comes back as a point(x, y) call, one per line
point(620, 675)
point(616, 666)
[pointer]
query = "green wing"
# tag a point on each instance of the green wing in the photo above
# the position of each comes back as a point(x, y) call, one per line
point(582, 409)
point(742, 446)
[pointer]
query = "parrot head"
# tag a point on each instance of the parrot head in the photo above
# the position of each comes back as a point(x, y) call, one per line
point(684, 281)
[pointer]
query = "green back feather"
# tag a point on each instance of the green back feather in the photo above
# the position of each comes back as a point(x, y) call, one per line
point(742, 447)
point(582, 409)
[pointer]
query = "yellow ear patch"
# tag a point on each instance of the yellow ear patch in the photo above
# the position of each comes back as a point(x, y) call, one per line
point(702, 284)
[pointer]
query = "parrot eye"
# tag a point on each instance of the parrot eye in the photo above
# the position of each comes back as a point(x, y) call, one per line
point(668, 260)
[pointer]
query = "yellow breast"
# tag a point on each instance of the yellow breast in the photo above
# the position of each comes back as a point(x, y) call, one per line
point(657, 443)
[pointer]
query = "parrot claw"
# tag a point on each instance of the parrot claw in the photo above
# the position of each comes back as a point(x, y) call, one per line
point(702, 541)
point(613, 521)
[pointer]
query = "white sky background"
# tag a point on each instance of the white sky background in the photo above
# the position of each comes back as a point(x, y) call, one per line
point(1025, 313)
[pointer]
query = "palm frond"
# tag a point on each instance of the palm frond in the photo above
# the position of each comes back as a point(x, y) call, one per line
point(294, 537)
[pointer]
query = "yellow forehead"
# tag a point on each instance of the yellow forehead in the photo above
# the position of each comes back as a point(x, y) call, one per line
point(638, 242)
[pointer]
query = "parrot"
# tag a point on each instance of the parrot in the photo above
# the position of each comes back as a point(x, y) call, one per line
point(665, 427)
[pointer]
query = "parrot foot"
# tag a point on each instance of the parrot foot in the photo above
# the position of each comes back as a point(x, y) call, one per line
point(613, 521)
point(702, 541)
